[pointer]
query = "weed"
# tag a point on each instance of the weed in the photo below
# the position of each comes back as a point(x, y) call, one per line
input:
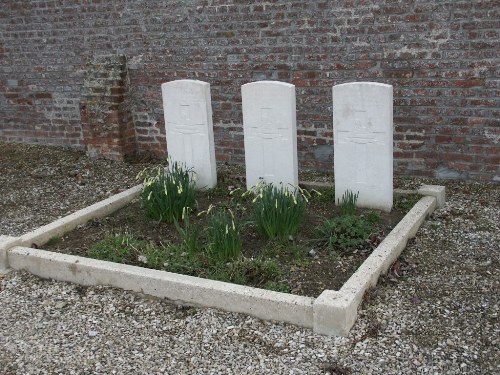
point(156, 257)
point(167, 191)
point(348, 203)
point(344, 232)
point(278, 211)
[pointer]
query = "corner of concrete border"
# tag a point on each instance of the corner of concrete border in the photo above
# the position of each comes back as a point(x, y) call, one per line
point(63, 225)
point(335, 312)
point(6, 242)
point(437, 191)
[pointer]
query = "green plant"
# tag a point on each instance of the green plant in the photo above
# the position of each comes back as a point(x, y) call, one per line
point(373, 217)
point(167, 191)
point(348, 203)
point(279, 211)
point(344, 232)
point(190, 234)
point(120, 248)
point(224, 242)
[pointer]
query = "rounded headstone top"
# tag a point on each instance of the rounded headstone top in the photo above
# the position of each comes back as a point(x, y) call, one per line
point(371, 84)
point(274, 83)
point(178, 82)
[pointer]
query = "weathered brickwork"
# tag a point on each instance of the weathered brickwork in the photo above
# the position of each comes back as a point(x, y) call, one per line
point(105, 110)
point(441, 56)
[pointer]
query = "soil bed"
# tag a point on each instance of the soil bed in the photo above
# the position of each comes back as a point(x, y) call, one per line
point(307, 268)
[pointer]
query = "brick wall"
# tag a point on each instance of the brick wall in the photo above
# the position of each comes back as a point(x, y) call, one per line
point(442, 57)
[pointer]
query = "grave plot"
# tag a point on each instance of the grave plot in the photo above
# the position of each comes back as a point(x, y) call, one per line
point(328, 245)
point(332, 312)
point(298, 257)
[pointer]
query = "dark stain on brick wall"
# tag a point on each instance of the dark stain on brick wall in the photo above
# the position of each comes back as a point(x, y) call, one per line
point(105, 109)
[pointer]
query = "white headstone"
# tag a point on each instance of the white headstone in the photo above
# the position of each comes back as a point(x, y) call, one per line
point(188, 121)
point(270, 132)
point(362, 126)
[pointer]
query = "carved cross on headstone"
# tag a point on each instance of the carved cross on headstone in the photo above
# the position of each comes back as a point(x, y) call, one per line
point(188, 120)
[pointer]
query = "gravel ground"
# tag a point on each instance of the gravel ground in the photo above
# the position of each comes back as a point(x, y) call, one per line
point(435, 313)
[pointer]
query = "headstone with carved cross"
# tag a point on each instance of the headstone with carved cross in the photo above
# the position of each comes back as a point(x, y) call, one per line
point(270, 133)
point(188, 121)
point(363, 128)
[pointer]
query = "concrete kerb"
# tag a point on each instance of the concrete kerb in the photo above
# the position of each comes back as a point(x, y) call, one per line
point(435, 191)
point(332, 313)
point(261, 303)
point(6, 242)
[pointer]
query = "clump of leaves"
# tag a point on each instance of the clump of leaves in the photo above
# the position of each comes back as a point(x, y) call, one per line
point(348, 203)
point(345, 232)
point(224, 242)
point(167, 191)
point(279, 211)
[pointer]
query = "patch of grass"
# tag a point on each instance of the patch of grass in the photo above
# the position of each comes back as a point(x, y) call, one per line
point(120, 248)
point(53, 241)
point(167, 191)
point(172, 258)
point(256, 272)
point(277, 287)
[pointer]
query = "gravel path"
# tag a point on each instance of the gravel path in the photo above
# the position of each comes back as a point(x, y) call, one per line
point(436, 313)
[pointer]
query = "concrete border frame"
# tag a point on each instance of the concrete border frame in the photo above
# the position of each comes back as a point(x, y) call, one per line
point(332, 313)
